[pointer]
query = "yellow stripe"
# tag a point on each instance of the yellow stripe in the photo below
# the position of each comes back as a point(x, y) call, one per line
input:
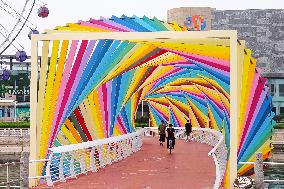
point(63, 141)
point(69, 136)
point(84, 112)
point(41, 91)
point(47, 101)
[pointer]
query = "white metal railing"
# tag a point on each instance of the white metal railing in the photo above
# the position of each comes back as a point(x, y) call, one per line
point(23, 179)
point(266, 163)
point(71, 160)
point(207, 136)
point(14, 132)
point(9, 183)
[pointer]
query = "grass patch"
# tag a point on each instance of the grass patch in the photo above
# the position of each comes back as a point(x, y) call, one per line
point(141, 125)
point(279, 126)
point(14, 124)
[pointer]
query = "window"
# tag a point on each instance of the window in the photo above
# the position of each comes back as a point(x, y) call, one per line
point(8, 112)
point(282, 110)
point(19, 98)
point(281, 90)
point(272, 89)
point(274, 110)
point(27, 98)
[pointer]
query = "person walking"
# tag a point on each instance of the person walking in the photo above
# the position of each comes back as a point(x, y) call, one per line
point(188, 130)
point(162, 132)
point(171, 135)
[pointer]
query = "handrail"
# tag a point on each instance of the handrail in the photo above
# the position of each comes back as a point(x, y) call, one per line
point(68, 161)
point(89, 144)
point(265, 162)
point(277, 142)
point(221, 140)
point(258, 169)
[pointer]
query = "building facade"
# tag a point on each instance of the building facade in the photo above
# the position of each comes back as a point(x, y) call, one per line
point(263, 31)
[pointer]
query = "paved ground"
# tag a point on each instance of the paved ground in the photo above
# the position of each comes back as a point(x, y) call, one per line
point(188, 167)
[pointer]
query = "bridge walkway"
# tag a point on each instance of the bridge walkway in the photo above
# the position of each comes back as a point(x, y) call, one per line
point(188, 167)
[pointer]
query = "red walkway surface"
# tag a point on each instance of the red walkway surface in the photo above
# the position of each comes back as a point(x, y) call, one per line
point(188, 167)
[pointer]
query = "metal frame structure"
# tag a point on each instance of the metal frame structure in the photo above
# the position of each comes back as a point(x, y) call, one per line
point(235, 74)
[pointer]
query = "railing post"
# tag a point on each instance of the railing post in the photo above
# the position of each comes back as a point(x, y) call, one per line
point(72, 163)
point(61, 174)
point(109, 162)
point(48, 173)
point(8, 176)
point(100, 149)
point(92, 159)
point(82, 161)
point(97, 163)
point(114, 151)
point(258, 171)
point(119, 156)
point(24, 170)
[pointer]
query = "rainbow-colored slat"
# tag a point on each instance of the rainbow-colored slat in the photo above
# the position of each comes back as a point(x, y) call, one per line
point(91, 89)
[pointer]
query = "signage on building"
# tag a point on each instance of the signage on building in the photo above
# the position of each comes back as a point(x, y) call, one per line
point(195, 23)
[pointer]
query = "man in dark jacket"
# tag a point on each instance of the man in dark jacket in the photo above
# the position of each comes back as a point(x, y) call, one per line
point(171, 135)
point(188, 129)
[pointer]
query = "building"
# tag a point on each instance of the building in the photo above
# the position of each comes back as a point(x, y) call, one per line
point(263, 31)
point(8, 109)
point(18, 82)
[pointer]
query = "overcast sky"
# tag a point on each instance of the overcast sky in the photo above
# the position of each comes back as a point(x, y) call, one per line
point(64, 11)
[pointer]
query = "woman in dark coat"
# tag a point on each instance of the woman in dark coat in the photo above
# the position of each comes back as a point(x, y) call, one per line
point(162, 132)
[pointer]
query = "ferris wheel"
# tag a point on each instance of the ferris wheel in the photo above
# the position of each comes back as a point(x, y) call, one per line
point(15, 21)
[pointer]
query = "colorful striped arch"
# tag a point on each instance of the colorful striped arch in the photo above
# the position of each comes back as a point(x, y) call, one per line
point(91, 89)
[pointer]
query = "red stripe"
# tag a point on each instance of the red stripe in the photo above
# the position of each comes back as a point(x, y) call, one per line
point(119, 122)
point(82, 123)
point(105, 101)
point(151, 57)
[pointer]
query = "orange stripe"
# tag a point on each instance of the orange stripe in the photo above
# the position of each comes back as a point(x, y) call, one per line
point(73, 131)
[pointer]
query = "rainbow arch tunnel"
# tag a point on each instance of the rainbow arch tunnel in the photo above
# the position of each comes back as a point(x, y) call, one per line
point(91, 89)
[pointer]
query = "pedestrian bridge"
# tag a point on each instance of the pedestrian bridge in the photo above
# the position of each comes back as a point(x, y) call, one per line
point(123, 162)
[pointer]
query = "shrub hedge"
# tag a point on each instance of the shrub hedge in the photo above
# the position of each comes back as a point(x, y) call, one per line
point(14, 124)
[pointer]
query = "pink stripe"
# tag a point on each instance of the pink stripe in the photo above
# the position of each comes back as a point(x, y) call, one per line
point(63, 84)
point(92, 25)
point(107, 26)
point(226, 73)
point(260, 102)
point(195, 94)
point(115, 25)
point(121, 124)
point(109, 105)
point(79, 75)
point(104, 92)
point(220, 64)
point(251, 108)
point(69, 84)
point(101, 102)
point(253, 88)
point(158, 110)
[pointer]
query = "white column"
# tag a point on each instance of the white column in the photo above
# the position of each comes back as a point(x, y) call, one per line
point(142, 108)
point(15, 111)
point(92, 159)
point(72, 163)
point(61, 174)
